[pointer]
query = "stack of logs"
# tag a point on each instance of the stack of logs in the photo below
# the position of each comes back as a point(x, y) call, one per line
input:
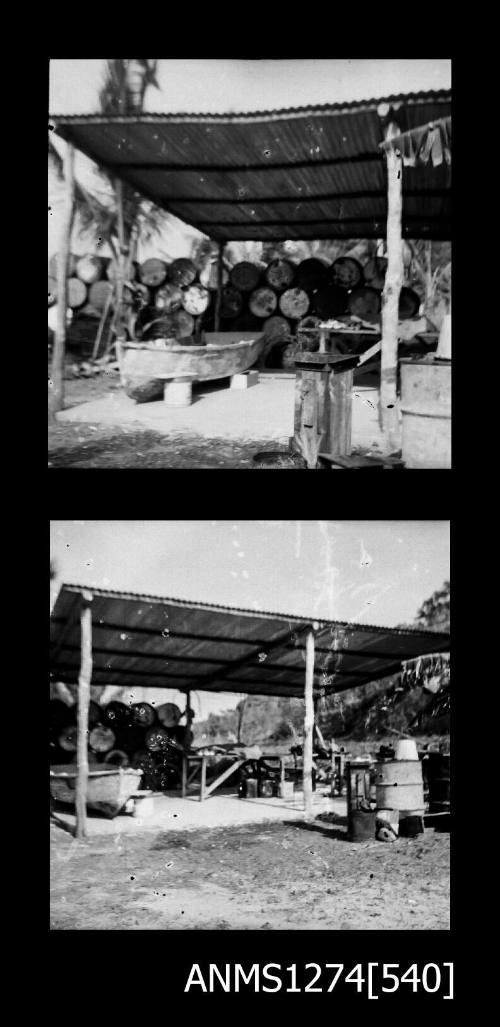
point(136, 735)
point(279, 299)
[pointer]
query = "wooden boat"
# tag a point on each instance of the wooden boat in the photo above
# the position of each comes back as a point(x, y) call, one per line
point(107, 790)
point(145, 367)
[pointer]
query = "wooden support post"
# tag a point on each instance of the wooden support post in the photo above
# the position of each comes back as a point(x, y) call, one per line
point(184, 775)
point(122, 252)
point(83, 713)
point(218, 297)
point(56, 400)
point(308, 726)
point(339, 441)
point(390, 296)
point(203, 786)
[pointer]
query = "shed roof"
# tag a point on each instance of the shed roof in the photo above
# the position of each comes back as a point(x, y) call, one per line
point(159, 642)
point(300, 173)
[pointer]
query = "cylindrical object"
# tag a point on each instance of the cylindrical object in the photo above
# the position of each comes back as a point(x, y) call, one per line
point(117, 714)
point(143, 714)
point(245, 276)
point(208, 276)
point(168, 298)
point(53, 262)
point(178, 393)
point(169, 714)
point(156, 739)
point(346, 272)
point(330, 301)
point(294, 303)
point(276, 327)
point(426, 413)
point(251, 788)
point(311, 274)
point(101, 738)
point(409, 303)
point(99, 293)
point(232, 302)
point(438, 777)
point(411, 823)
point(361, 825)
point(117, 758)
point(153, 272)
point(77, 293)
point(365, 302)
point(265, 789)
point(399, 785)
point(52, 290)
point(263, 302)
point(280, 274)
point(89, 268)
point(182, 272)
point(406, 749)
point(195, 299)
point(68, 738)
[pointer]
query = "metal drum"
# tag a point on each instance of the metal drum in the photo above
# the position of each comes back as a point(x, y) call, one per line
point(169, 714)
point(101, 738)
point(409, 303)
point(68, 738)
point(311, 274)
point(168, 298)
point(426, 410)
point(374, 272)
point(157, 739)
point(263, 302)
point(153, 272)
point(90, 268)
point(280, 274)
point(232, 302)
point(195, 300)
point(399, 785)
point(245, 276)
point(77, 293)
point(294, 303)
point(143, 714)
point(346, 272)
point(330, 301)
point(182, 272)
point(365, 302)
point(438, 777)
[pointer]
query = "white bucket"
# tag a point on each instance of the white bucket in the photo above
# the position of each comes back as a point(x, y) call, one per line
point(406, 749)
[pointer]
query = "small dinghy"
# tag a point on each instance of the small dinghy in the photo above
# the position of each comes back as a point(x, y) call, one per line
point(108, 790)
point(145, 367)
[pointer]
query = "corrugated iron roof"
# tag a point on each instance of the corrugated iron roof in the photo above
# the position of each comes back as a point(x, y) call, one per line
point(161, 642)
point(298, 173)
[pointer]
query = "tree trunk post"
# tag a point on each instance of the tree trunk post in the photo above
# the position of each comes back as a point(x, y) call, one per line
point(56, 401)
point(122, 254)
point(390, 297)
point(218, 297)
point(84, 678)
point(307, 752)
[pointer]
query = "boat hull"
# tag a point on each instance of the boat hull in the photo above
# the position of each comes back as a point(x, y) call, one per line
point(107, 790)
point(145, 368)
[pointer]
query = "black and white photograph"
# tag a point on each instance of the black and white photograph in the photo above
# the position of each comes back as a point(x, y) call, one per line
point(250, 726)
point(249, 264)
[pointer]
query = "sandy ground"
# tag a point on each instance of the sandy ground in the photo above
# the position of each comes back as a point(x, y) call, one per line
point(272, 876)
point(101, 427)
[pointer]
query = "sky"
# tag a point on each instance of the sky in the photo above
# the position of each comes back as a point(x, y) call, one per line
point(368, 572)
point(223, 85)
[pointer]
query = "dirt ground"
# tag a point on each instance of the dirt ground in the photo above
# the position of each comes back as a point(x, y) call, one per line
point(283, 876)
point(102, 445)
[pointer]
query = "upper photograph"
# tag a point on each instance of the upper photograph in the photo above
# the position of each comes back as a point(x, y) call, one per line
point(249, 264)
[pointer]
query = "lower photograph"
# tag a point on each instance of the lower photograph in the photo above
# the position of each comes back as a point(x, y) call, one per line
point(249, 725)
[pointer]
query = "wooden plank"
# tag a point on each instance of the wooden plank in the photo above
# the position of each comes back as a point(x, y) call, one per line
point(83, 714)
point(223, 777)
point(56, 400)
point(307, 757)
point(184, 776)
point(203, 787)
point(340, 414)
point(390, 296)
